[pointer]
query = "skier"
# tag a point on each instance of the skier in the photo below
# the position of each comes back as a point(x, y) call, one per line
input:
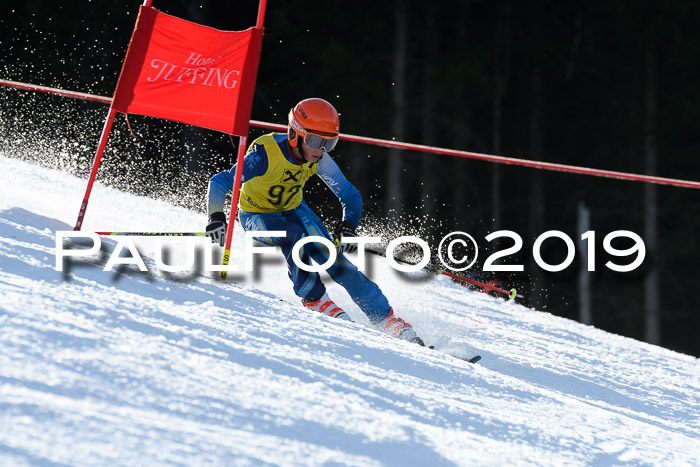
point(276, 167)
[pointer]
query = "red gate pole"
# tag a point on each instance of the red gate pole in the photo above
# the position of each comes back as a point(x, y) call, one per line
point(98, 158)
point(242, 142)
point(95, 166)
point(242, 146)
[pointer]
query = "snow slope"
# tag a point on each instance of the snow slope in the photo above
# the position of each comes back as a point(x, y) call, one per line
point(132, 368)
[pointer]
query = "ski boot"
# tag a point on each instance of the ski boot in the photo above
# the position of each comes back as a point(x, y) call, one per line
point(399, 328)
point(326, 306)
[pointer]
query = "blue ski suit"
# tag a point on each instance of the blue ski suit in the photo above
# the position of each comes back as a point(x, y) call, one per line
point(272, 199)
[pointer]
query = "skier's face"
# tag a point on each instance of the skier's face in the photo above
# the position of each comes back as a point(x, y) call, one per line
point(311, 155)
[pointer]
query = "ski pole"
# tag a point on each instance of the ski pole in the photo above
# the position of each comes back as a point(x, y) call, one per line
point(155, 234)
point(511, 294)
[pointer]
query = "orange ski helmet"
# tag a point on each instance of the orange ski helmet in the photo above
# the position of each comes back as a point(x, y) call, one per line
point(316, 122)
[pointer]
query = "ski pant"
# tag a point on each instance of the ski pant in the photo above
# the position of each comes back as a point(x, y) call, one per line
point(301, 222)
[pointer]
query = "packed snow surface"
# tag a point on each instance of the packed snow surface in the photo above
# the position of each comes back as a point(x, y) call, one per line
point(133, 368)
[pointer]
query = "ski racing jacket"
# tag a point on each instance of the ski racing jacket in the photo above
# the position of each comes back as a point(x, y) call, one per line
point(273, 181)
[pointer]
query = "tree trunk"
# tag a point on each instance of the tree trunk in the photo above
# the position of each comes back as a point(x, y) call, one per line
point(585, 313)
point(463, 206)
point(501, 72)
point(652, 327)
point(429, 162)
point(395, 167)
point(536, 193)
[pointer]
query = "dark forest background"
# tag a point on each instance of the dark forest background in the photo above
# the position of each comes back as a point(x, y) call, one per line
point(604, 84)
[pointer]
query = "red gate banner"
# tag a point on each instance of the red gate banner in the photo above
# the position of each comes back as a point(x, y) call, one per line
point(182, 71)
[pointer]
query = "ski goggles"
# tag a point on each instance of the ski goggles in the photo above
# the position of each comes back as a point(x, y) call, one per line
point(315, 142)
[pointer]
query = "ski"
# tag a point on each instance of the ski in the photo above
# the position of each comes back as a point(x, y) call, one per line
point(419, 341)
point(473, 359)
